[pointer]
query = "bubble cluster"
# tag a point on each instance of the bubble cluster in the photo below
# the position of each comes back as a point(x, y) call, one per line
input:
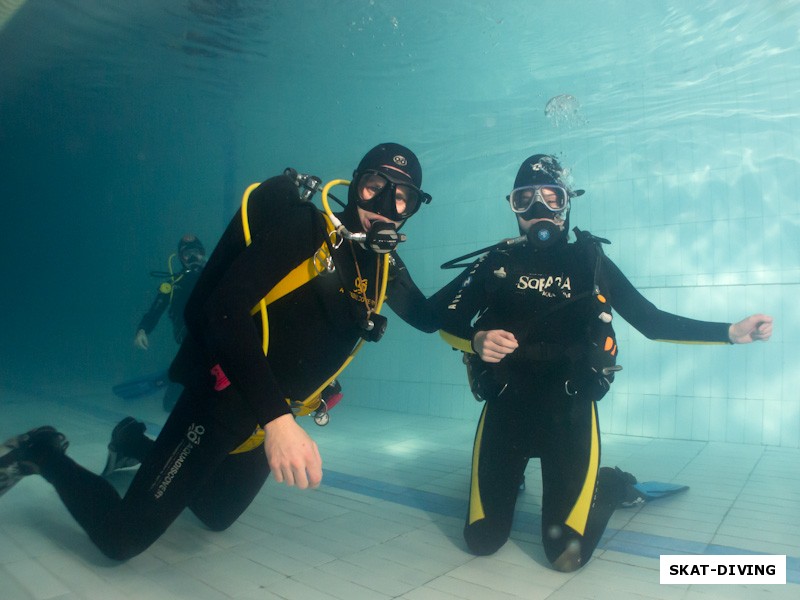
point(564, 109)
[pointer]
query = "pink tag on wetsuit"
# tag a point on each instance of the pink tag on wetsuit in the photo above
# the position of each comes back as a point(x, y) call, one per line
point(222, 380)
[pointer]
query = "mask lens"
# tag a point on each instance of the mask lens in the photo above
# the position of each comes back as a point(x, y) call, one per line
point(370, 187)
point(406, 200)
point(552, 197)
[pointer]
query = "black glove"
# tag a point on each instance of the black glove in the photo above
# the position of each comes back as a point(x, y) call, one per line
point(589, 383)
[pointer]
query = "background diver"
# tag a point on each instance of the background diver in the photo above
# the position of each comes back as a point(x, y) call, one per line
point(172, 296)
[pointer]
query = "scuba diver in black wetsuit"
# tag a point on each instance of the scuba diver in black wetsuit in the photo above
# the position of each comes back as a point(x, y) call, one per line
point(542, 353)
point(286, 297)
point(173, 295)
point(175, 292)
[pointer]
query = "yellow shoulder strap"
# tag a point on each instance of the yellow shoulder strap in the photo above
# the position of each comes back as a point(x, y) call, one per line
point(300, 275)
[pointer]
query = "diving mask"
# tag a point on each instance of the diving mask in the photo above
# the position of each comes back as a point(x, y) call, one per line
point(378, 193)
point(192, 258)
point(554, 198)
point(547, 205)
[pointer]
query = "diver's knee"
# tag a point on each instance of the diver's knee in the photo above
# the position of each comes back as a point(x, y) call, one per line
point(570, 559)
point(121, 550)
point(565, 552)
point(215, 522)
point(217, 527)
point(483, 539)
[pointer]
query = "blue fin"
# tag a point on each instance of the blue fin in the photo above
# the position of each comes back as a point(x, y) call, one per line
point(141, 386)
point(653, 490)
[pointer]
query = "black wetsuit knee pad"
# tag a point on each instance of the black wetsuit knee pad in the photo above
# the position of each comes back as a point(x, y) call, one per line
point(483, 539)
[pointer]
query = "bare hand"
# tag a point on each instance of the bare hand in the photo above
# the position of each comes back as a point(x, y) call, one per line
point(494, 345)
point(141, 341)
point(292, 455)
point(751, 329)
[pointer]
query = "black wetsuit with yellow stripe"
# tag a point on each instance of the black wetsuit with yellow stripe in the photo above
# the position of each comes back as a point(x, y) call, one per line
point(545, 298)
point(231, 388)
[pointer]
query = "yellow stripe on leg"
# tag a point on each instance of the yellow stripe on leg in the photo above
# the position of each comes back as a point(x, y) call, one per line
point(579, 514)
point(475, 504)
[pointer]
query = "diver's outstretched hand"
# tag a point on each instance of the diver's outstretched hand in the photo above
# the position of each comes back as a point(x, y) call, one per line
point(292, 455)
point(494, 345)
point(751, 329)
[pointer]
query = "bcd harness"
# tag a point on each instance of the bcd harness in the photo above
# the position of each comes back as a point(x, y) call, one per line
point(599, 349)
point(321, 261)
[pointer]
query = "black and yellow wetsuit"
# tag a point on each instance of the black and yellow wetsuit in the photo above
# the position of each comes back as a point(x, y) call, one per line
point(231, 388)
point(527, 292)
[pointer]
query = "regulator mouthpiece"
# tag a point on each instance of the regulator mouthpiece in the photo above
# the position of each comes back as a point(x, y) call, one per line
point(544, 234)
point(382, 238)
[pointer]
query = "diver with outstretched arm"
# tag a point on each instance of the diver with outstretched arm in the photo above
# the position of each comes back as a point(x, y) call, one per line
point(533, 317)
